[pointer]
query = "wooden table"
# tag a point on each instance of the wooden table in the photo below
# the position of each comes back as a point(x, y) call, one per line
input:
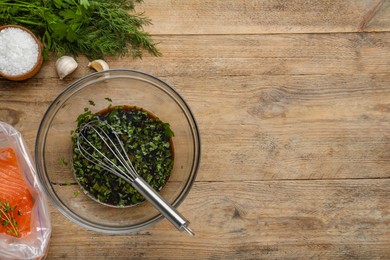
point(293, 104)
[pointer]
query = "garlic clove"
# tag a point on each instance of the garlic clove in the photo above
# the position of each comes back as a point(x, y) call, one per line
point(98, 65)
point(65, 66)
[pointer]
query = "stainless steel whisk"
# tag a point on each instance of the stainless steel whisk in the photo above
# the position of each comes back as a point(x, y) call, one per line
point(126, 170)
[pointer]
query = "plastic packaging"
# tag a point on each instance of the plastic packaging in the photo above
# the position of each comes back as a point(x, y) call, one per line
point(34, 245)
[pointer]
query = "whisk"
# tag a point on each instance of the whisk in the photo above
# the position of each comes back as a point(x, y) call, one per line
point(124, 169)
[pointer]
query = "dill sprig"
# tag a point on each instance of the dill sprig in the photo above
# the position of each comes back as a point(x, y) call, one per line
point(94, 28)
point(7, 218)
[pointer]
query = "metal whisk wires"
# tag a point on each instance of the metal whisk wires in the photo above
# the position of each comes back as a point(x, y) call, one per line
point(114, 159)
point(125, 170)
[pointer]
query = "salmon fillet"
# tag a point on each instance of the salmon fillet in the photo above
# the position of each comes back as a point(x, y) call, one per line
point(14, 190)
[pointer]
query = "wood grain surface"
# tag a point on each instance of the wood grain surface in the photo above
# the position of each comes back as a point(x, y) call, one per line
point(293, 103)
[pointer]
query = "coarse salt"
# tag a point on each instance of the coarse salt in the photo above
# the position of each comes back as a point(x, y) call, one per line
point(18, 51)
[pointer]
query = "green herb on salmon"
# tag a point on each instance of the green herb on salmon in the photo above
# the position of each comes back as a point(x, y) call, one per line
point(7, 218)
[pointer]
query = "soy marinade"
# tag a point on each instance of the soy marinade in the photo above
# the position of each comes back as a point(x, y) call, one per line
point(148, 142)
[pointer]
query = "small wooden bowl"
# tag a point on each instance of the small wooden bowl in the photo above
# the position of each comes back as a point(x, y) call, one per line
point(38, 63)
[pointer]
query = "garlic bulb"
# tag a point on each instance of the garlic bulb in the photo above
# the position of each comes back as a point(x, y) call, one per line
point(98, 65)
point(65, 66)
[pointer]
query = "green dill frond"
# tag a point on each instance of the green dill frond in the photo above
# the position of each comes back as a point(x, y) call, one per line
point(94, 28)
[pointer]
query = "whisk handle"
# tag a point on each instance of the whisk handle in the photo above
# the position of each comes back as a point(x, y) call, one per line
point(162, 205)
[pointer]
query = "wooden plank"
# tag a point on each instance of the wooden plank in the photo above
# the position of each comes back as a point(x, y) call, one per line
point(268, 107)
point(252, 220)
point(262, 17)
point(228, 55)
point(378, 18)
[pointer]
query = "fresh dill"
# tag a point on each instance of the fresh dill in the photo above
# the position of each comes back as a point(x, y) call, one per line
point(7, 218)
point(94, 28)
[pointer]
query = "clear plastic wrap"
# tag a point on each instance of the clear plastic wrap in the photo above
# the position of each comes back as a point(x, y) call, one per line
point(35, 243)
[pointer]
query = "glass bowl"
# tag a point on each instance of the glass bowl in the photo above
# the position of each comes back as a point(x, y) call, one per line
point(54, 147)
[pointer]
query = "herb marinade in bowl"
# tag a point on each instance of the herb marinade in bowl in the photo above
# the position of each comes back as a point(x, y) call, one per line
point(167, 158)
point(147, 140)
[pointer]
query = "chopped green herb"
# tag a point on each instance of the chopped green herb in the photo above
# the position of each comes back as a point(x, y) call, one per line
point(75, 194)
point(168, 130)
point(108, 99)
point(91, 102)
point(63, 162)
point(84, 116)
point(67, 183)
point(148, 142)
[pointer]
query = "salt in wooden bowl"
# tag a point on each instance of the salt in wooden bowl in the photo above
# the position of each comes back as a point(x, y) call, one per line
point(39, 60)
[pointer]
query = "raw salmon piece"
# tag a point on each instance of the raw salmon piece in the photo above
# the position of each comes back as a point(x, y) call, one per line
point(14, 190)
